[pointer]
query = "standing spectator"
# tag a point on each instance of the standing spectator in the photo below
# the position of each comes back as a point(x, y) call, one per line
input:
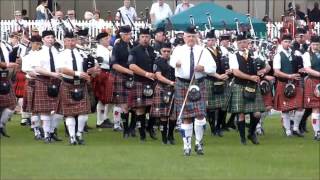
point(88, 15)
point(300, 15)
point(315, 13)
point(24, 13)
point(41, 11)
point(159, 11)
point(183, 6)
point(127, 13)
point(71, 19)
point(20, 23)
point(96, 17)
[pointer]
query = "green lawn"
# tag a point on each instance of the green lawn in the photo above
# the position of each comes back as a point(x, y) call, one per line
point(107, 156)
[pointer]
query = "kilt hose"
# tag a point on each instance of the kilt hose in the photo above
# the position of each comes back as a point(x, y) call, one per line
point(70, 107)
point(159, 108)
point(310, 100)
point(137, 99)
point(191, 109)
point(20, 84)
point(44, 104)
point(103, 86)
point(238, 104)
point(8, 100)
point(217, 101)
point(121, 94)
point(282, 103)
point(28, 98)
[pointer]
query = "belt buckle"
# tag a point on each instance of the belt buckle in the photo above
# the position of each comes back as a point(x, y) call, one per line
point(76, 82)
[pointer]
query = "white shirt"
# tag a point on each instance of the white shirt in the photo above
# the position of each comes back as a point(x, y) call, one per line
point(20, 23)
point(43, 58)
point(233, 60)
point(29, 62)
point(131, 12)
point(180, 8)
point(66, 61)
point(307, 59)
point(182, 54)
point(160, 12)
point(105, 54)
point(277, 57)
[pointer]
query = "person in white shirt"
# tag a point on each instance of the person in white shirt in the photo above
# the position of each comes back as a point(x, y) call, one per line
point(20, 23)
point(75, 103)
point(188, 60)
point(126, 14)
point(104, 83)
point(28, 67)
point(159, 11)
point(183, 6)
point(311, 63)
point(286, 70)
point(46, 87)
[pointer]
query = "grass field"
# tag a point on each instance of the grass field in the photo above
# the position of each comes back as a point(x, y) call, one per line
point(107, 156)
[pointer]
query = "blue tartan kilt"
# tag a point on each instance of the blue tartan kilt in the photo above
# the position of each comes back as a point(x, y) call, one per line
point(238, 104)
point(191, 109)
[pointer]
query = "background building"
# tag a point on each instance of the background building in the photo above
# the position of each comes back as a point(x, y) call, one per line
point(257, 8)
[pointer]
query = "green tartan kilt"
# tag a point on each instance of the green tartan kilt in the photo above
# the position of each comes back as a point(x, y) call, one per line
point(217, 101)
point(238, 104)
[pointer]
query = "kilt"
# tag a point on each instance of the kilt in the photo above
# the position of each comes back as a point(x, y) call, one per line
point(191, 109)
point(310, 100)
point(8, 100)
point(136, 98)
point(159, 108)
point(28, 98)
point(44, 104)
point(103, 87)
point(217, 101)
point(19, 86)
point(282, 103)
point(268, 99)
point(240, 105)
point(120, 92)
point(70, 107)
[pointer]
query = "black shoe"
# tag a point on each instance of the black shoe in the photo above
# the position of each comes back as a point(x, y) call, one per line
point(24, 122)
point(297, 133)
point(198, 149)
point(220, 133)
point(106, 124)
point(54, 137)
point(72, 141)
point(187, 152)
point(80, 140)
point(143, 139)
point(47, 140)
point(243, 141)
point(253, 138)
point(3, 132)
point(37, 137)
point(125, 135)
point(171, 140)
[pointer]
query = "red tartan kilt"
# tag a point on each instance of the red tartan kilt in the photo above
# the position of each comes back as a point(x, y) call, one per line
point(159, 108)
point(8, 100)
point(28, 97)
point(136, 98)
point(310, 100)
point(70, 107)
point(44, 104)
point(103, 87)
point(282, 103)
point(19, 86)
point(121, 94)
point(268, 99)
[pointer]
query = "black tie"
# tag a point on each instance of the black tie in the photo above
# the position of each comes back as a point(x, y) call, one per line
point(74, 62)
point(191, 62)
point(52, 67)
point(1, 56)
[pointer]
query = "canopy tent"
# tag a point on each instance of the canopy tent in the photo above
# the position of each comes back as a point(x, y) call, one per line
point(221, 18)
